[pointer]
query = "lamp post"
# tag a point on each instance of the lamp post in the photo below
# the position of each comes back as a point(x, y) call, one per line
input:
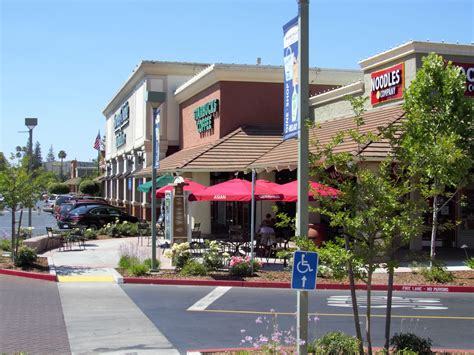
point(155, 99)
point(30, 123)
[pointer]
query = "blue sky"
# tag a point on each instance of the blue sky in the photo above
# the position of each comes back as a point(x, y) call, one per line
point(63, 60)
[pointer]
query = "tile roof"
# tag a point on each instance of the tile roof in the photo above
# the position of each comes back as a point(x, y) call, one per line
point(285, 155)
point(234, 152)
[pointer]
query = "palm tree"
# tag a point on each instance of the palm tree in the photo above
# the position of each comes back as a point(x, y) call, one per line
point(62, 155)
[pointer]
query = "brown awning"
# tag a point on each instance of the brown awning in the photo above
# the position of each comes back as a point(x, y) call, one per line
point(285, 155)
point(234, 152)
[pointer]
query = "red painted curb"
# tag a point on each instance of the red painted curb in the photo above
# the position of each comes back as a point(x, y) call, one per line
point(322, 286)
point(221, 350)
point(30, 275)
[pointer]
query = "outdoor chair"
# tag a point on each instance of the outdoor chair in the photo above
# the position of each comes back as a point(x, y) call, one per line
point(196, 232)
point(54, 237)
point(76, 235)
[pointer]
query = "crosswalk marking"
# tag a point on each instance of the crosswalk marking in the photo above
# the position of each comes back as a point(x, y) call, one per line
point(381, 302)
point(207, 300)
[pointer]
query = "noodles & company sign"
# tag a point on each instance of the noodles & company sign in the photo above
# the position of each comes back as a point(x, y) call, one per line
point(387, 84)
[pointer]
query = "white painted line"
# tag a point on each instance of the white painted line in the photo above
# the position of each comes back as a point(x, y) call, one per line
point(207, 300)
point(381, 302)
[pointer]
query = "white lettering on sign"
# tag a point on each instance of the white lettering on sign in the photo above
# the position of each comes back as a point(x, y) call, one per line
point(381, 302)
point(468, 71)
point(387, 84)
point(220, 197)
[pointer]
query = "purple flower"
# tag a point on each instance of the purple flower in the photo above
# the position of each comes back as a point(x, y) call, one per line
point(263, 339)
point(258, 320)
point(248, 338)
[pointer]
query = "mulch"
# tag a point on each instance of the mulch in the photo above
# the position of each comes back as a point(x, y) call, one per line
point(461, 278)
point(40, 265)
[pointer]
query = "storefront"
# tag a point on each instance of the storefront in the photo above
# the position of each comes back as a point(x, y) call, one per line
point(230, 115)
point(385, 77)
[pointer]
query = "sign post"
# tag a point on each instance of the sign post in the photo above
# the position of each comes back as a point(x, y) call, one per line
point(303, 278)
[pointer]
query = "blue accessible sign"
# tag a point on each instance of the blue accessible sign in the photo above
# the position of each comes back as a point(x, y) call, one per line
point(305, 269)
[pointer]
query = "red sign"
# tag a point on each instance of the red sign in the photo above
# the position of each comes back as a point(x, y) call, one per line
point(387, 84)
point(468, 71)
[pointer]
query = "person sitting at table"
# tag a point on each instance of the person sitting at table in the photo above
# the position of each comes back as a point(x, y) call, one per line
point(266, 232)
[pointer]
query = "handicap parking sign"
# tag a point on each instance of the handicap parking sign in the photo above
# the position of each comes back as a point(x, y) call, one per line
point(305, 269)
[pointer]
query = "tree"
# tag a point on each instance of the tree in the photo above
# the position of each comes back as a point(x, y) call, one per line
point(20, 188)
point(50, 157)
point(3, 161)
point(89, 187)
point(372, 209)
point(436, 139)
point(62, 155)
point(58, 188)
point(37, 159)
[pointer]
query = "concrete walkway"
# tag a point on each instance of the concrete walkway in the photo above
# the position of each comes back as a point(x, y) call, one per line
point(101, 318)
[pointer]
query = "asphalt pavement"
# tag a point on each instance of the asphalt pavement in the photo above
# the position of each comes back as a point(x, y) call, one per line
point(39, 221)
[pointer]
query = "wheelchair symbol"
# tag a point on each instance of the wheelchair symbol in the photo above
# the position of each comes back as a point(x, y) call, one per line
point(302, 266)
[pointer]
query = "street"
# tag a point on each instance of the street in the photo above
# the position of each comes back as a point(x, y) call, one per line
point(39, 221)
point(447, 318)
point(105, 317)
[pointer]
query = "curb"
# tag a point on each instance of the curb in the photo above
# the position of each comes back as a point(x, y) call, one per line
point(30, 275)
point(261, 284)
point(223, 350)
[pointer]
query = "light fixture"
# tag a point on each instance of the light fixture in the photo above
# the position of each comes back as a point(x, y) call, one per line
point(155, 99)
point(31, 123)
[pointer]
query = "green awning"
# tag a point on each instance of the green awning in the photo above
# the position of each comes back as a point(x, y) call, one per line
point(161, 181)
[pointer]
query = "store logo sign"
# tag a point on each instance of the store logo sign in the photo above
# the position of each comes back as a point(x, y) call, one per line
point(120, 139)
point(468, 70)
point(204, 115)
point(387, 84)
point(122, 117)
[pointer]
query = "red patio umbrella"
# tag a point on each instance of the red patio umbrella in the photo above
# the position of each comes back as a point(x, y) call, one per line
point(235, 190)
point(190, 186)
point(290, 191)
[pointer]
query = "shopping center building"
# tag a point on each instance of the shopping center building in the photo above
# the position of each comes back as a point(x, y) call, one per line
point(220, 121)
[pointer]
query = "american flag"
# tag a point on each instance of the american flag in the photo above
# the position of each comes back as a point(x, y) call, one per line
point(98, 142)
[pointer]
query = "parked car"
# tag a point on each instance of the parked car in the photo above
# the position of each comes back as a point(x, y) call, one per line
point(67, 207)
point(96, 216)
point(49, 204)
point(59, 201)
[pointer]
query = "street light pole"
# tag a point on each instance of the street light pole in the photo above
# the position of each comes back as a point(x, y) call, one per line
point(155, 98)
point(30, 123)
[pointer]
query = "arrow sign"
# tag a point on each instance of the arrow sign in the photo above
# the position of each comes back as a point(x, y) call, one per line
point(305, 270)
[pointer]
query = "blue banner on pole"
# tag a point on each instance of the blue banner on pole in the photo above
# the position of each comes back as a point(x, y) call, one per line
point(157, 135)
point(291, 80)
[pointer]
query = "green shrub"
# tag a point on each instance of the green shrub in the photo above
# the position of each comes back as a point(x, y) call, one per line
point(335, 343)
point(180, 254)
point(410, 342)
point(126, 261)
point(147, 263)
point(138, 269)
point(469, 262)
point(25, 257)
point(118, 230)
point(437, 273)
point(89, 187)
point(5, 245)
point(213, 259)
point(193, 268)
point(90, 233)
point(58, 188)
